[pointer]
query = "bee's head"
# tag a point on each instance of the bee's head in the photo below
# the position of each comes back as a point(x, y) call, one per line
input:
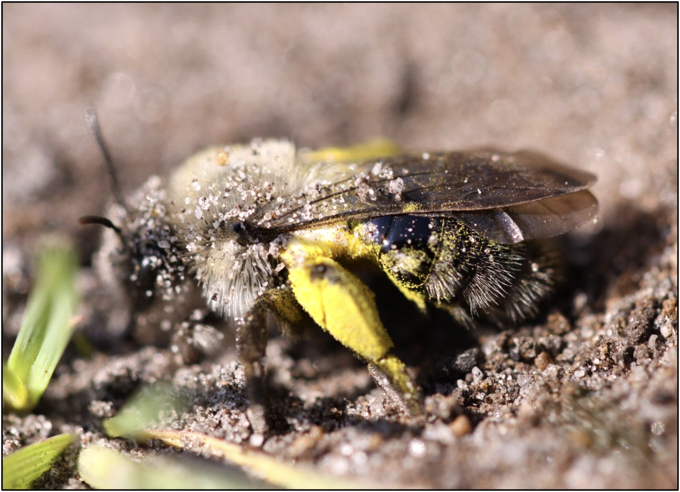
point(139, 250)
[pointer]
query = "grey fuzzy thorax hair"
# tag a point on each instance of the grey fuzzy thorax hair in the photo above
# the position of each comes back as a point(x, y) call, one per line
point(221, 187)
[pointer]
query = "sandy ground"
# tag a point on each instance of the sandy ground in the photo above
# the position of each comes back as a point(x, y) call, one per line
point(584, 397)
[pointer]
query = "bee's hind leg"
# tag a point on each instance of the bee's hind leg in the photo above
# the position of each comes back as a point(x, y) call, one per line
point(341, 304)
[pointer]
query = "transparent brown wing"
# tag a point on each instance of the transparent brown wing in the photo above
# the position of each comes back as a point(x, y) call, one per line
point(533, 220)
point(509, 197)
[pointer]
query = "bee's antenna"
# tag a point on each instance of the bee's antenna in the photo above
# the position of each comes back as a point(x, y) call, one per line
point(96, 219)
point(92, 122)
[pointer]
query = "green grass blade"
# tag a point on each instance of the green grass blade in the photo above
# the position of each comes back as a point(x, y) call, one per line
point(22, 467)
point(103, 468)
point(149, 407)
point(46, 328)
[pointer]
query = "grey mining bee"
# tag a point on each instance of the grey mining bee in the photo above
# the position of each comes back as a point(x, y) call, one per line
point(264, 228)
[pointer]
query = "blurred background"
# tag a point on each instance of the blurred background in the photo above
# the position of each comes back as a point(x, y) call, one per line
point(593, 85)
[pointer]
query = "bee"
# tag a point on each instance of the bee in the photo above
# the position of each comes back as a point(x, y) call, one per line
point(266, 229)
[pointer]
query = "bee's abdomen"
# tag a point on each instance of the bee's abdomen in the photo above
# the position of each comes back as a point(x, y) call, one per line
point(452, 265)
point(405, 251)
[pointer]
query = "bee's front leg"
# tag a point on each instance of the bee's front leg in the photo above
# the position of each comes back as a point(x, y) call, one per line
point(251, 343)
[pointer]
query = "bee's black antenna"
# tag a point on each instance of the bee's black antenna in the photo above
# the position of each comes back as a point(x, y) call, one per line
point(92, 122)
point(96, 219)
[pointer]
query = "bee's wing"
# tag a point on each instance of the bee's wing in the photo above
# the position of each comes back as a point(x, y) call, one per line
point(533, 220)
point(508, 197)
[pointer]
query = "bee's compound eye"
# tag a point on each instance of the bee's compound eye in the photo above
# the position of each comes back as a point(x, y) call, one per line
point(398, 231)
